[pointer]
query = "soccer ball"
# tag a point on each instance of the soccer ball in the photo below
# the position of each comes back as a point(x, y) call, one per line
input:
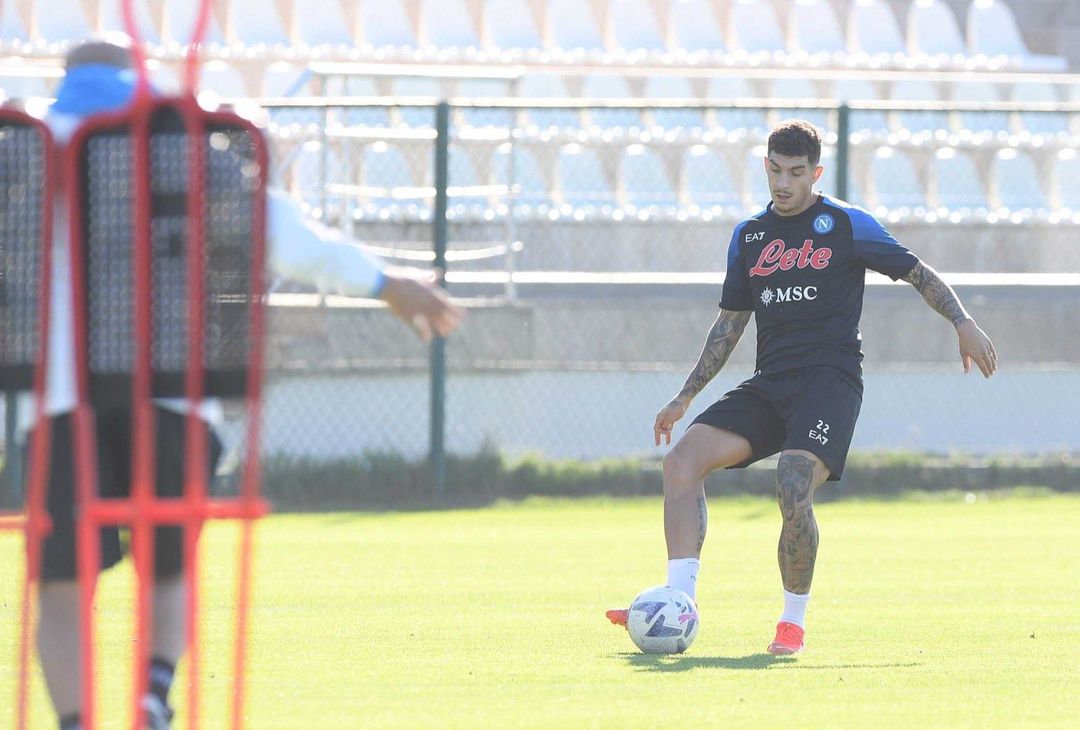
point(663, 620)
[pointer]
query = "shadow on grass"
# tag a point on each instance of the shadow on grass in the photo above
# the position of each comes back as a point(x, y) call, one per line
point(683, 662)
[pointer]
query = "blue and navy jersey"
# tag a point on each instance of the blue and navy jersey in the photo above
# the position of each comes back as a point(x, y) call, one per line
point(803, 276)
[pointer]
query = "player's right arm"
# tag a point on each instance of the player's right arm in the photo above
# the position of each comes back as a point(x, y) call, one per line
point(720, 342)
point(302, 249)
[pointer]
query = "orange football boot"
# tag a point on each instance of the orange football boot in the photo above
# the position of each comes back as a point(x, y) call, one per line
point(618, 616)
point(789, 639)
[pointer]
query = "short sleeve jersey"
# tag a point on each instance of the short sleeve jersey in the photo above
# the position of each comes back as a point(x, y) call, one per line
point(804, 276)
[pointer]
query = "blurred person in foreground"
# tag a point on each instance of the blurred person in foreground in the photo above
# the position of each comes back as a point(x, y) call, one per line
point(99, 78)
point(799, 267)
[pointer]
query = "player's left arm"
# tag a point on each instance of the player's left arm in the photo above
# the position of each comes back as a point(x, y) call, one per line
point(975, 345)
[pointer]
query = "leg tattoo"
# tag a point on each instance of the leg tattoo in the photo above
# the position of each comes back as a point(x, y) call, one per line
point(703, 522)
point(798, 546)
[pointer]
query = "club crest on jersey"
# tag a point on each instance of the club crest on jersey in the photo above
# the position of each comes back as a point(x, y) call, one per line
point(824, 223)
point(776, 256)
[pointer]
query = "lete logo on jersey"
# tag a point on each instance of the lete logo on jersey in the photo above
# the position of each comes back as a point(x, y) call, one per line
point(776, 256)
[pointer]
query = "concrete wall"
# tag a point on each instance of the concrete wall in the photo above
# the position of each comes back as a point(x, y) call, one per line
point(641, 328)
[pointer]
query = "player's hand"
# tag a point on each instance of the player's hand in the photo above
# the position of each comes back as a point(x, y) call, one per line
point(416, 300)
point(667, 417)
point(976, 346)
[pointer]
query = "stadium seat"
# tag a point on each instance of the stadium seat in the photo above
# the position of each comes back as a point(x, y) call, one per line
point(462, 172)
point(957, 182)
point(635, 28)
point(573, 27)
point(13, 27)
point(547, 86)
point(283, 79)
point(582, 180)
point(510, 26)
point(753, 27)
point(448, 25)
point(180, 22)
point(797, 89)
point(982, 92)
point(528, 182)
point(916, 90)
point(112, 19)
point(322, 23)
point(695, 27)
point(61, 21)
point(610, 86)
point(932, 30)
point(992, 31)
point(736, 88)
point(223, 79)
point(1040, 122)
point(709, 182)
point(816, 29)
point(26, 87)
point(872, 29)
point(256, 22)
point(364, 86)
point(645, 181)
point(386, 26)
point(386, 169)
point(855, 89)
point(896, 184)
point(673, 87)
point(1018, 182)
point(486, 88)
point(1067, 177)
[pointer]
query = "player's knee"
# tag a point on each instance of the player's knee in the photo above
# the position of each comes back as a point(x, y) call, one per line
point(794, 484)
point(681, 473)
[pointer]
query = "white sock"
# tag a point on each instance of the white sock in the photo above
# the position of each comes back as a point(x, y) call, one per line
point(795, 608)
point(682, 574)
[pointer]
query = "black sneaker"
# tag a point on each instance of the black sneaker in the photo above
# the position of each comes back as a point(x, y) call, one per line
point(158, 715)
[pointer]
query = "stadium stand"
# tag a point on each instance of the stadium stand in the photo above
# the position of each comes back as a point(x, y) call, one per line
point(695, 29)
point(754, 29)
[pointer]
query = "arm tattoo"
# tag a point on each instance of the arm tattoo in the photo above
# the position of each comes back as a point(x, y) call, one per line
point(722, 338)
point(937, 293)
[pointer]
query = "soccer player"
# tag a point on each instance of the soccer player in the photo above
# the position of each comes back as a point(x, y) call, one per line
point(799, 267)
point(99, 79)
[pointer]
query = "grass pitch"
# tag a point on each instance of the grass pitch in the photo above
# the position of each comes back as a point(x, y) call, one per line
point(926, 613)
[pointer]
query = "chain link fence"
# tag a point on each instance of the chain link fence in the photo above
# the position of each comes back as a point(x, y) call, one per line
point(588, 244)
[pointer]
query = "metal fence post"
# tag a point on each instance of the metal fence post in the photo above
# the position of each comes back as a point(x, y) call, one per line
point(13, 461)
point(438, 345)
point(843, 148)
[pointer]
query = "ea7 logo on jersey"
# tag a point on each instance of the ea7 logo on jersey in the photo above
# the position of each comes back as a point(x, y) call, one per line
point(776, 256)
point(788, 294)
point(751, 237)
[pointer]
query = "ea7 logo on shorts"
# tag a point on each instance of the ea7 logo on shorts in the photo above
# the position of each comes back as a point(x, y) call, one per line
point(789, 294)
point(751, 237)
point(821, 433)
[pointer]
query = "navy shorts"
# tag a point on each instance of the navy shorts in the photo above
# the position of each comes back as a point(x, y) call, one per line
point(811, 410)
point(113, 434)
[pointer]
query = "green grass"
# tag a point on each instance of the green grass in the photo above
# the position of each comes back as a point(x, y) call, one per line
point(936, 613)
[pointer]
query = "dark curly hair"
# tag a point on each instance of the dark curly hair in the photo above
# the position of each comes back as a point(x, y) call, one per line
point(795, 138)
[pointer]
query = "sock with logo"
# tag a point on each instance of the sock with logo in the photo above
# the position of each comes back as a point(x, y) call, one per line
point(682, 574)
point(795, 608)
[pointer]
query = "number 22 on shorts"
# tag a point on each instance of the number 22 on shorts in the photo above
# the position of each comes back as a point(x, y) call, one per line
point(820, 433)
